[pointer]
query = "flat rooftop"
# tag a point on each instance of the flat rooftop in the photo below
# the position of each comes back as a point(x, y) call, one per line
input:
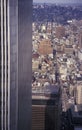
point(46, 92)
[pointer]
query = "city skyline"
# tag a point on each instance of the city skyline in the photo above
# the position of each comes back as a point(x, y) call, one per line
point(57, 1)
point(57, 62)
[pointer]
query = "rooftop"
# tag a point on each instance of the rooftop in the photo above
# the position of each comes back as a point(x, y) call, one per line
point(45, 92)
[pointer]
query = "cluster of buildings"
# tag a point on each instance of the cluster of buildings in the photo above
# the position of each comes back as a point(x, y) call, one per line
point(59, 13)
point(57, 60)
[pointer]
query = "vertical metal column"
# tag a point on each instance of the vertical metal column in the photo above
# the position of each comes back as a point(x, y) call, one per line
point(8, 24)
point(2, 64)
point(5, 65)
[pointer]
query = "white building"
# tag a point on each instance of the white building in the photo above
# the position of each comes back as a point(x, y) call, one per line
point(80, 55)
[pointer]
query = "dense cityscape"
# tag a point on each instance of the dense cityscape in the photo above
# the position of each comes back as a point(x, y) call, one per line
point(57, 67)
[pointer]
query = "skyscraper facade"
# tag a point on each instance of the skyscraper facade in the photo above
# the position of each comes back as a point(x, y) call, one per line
point(80, 39)
point(79, 93)
point(46, 108)
point(60, 32)
point(15, 93)
point(45, 47)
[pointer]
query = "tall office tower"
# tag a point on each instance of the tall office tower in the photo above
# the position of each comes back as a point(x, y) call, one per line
point(60, 32)
point(79, 93)
point(15, 94)
point(45, 47)
point(46, 108)
point(80, 39)
point(75, 117)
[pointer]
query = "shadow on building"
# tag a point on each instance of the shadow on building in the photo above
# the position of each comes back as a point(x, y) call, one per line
point(74, 114)
point(46, 109)
point(53, 113)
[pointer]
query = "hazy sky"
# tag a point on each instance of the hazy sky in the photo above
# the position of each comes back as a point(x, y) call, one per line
point(58, 1)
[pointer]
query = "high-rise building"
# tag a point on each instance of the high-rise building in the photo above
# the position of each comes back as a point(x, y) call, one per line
point(80, 39)
point(60, 32)
point(46, 108)
point(45, 47)
point(15, 61)
point(80, 54)
point(79, 93)
point(75, 117)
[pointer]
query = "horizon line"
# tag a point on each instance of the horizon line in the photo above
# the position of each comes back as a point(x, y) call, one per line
point(56, 3)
